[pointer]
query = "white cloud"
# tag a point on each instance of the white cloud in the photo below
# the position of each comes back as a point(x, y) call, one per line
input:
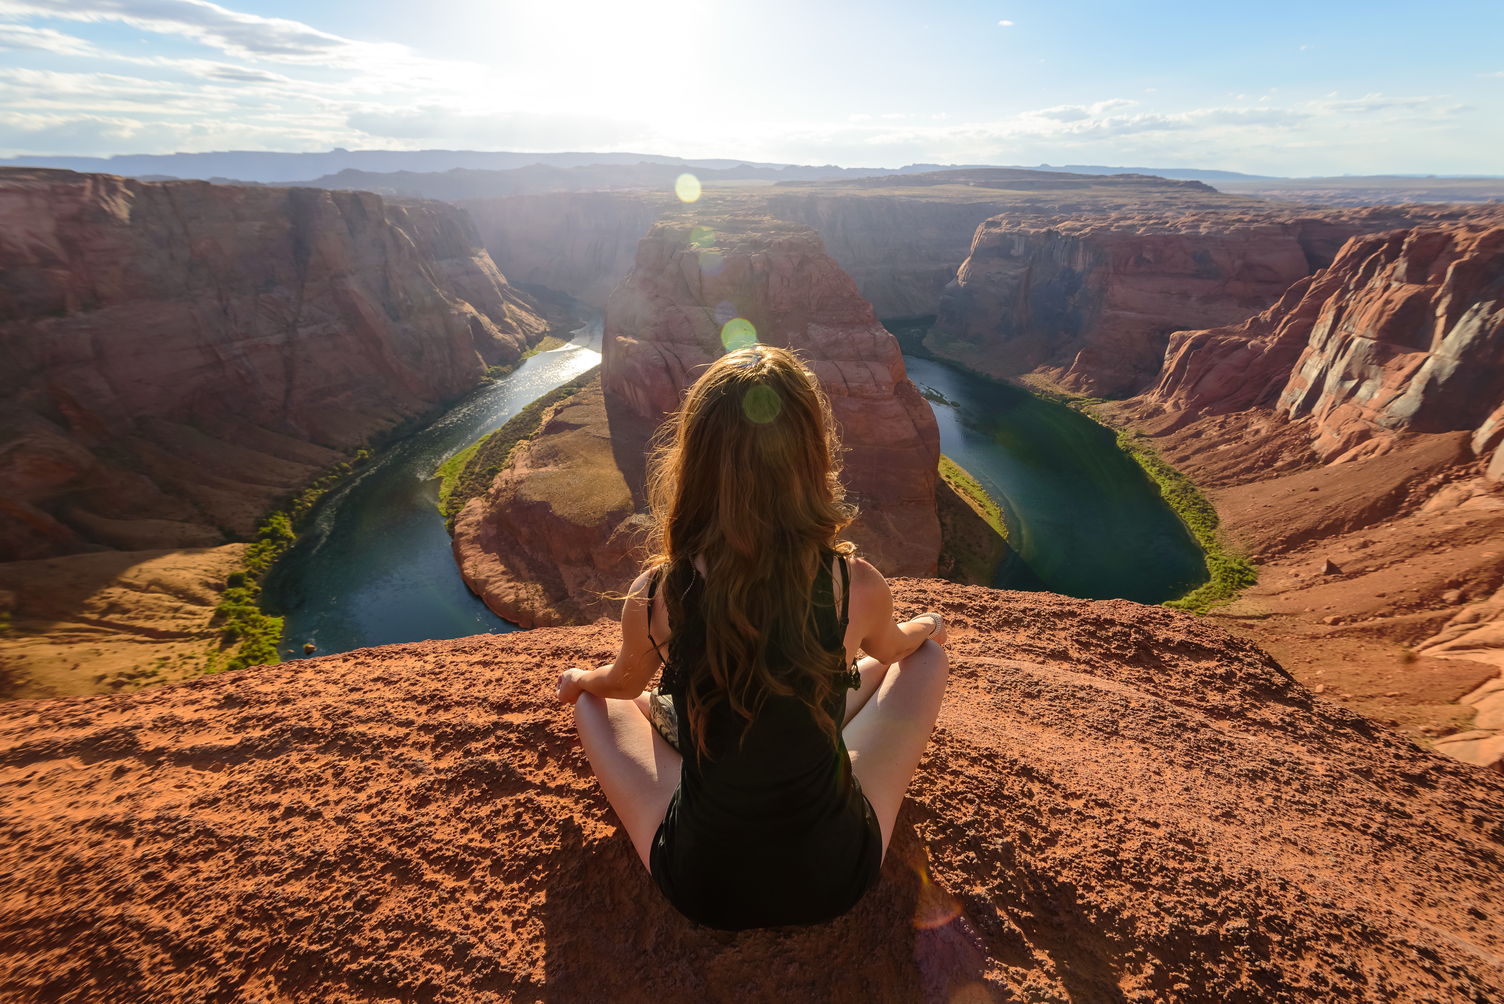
point(29, 38)
point(254, 82)
point(243, 35)
point(1330, 135)
point(1077, 113)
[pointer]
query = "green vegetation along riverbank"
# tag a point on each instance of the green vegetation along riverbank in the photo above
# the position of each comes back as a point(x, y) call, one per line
point(248, 636)
point(1229, 573)
point(469, 473)
point(973, 534)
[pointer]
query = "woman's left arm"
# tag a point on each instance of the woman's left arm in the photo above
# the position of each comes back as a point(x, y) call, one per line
point(635, 664)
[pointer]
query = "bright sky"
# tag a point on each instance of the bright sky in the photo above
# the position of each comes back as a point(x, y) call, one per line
point(1299, 88)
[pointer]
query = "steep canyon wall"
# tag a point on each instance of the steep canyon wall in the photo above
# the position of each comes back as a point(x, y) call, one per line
point(900, 238)
point(1403, 333)
point(179, 354)
point(1092, 299)
point(1350, 435)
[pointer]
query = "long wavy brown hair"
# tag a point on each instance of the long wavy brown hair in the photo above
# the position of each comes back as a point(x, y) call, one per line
point(746, 475)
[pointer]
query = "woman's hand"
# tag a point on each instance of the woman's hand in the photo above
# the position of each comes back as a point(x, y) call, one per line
point(570, 687)
point(938, 634)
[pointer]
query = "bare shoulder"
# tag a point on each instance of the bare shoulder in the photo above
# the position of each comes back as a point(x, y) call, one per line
point(635, 603)
point(867, 583)
point(640, 584)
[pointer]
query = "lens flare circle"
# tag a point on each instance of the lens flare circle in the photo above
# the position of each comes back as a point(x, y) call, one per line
point(687, 187)
point(711, 262)
point(761, 404)
point(738, 333)
point(701, 237)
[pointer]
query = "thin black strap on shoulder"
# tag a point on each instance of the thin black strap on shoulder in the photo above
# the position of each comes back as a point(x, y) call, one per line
point(845, 593)
point(653, 591)
point(850, 674)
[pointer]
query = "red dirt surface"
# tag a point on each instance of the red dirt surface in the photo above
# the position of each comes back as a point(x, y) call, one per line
point(1120, 803)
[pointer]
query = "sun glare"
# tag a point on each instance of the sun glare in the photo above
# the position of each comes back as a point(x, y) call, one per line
point(636, 60)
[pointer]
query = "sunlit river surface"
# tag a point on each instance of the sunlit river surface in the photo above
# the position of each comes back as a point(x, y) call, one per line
point(374, 566)
point(1083, 518)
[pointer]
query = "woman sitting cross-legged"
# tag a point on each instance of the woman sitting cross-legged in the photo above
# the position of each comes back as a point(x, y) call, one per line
point(761, 781)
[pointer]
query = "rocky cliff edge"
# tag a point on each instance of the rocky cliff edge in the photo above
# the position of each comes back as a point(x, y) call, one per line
point(1120, 803)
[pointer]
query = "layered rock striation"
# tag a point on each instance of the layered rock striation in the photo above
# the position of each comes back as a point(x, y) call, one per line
point(666, 323)
point(1403, 333)
point(555, 537)
point(899, 237)
point(1093, 299)
point(180, 354)
point(1350, 434)
point(1119, 803)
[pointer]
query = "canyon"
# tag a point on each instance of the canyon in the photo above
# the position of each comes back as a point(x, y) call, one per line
point(1201, 303)
point(181, 356)
point(1091, 299)
point(899, 237)
point(1207, 313)
point(1349, 437)
point(556, 535)
point(1119, 803)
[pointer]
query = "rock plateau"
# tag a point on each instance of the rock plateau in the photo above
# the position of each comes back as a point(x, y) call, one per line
point(1119, 803)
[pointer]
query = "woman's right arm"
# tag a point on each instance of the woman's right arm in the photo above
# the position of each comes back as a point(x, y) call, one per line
point(871, 611)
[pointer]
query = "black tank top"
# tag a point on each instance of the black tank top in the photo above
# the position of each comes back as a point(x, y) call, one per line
point(772, 827)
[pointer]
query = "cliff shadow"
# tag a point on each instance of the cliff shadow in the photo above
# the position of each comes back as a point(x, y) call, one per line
point(631, 438)
point(72, 609)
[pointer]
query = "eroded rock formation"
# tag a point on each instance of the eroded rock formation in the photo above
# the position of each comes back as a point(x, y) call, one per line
point(1403, 333)
point(899, 237)
point(1349, 435)
point(553, 539)
point(665, 324)
point(556, 539)
point(1119, 803)
point(1093, 299)
point(179, 354)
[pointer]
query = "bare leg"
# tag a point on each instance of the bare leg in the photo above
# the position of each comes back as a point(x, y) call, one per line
point(887, 736)
point(637, 770)
point(872, 677)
